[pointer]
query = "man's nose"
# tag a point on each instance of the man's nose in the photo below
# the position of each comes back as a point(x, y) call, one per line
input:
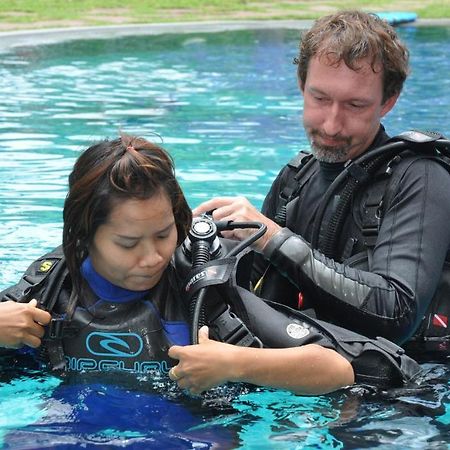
point(334, 120)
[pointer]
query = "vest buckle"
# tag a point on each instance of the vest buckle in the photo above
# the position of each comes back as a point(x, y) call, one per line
point(230, 329)
point(55, 328)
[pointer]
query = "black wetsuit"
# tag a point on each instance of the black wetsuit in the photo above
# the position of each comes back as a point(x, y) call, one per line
point(115, 328)
point(111, 328)
point(387, 294)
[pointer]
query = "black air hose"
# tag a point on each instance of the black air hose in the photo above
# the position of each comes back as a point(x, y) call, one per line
point(328, 244)
point(369, 162)
point(196, 307)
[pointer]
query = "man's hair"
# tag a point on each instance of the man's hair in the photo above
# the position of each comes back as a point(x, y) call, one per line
point(352, 36)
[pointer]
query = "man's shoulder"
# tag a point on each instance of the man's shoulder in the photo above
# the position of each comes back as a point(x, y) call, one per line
point(418, 164)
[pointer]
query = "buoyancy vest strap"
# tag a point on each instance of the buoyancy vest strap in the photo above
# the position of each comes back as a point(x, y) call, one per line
point(44, 279)
point(374, 205)
point(33, 279)
point(300, 171)
point(377, 361)
point(55, 354)
point(225, 325)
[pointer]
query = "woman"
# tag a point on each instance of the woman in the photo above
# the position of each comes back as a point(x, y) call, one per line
point(118, 305)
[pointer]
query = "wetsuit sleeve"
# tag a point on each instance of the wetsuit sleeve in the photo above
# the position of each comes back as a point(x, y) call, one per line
point(389, 297)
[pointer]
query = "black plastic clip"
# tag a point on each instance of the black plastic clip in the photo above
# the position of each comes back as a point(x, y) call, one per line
point(230, 329)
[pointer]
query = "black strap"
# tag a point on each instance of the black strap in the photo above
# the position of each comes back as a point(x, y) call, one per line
point(227, 327)
point(299, 173)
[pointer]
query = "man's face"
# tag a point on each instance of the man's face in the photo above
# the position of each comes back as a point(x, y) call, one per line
point(342, 108)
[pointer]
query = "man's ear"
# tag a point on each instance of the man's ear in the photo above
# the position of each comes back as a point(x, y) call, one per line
point(389, 104)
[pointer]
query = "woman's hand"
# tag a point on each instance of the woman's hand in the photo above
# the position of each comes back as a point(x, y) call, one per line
point(22, 324)
point(202, 366)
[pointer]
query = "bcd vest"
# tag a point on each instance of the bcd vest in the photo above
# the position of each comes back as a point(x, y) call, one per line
point(372, 195)
point(237, 316)
point(108, 338)
point(105, 336)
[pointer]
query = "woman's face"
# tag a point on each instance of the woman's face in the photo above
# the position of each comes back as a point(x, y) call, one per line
point(135, 245)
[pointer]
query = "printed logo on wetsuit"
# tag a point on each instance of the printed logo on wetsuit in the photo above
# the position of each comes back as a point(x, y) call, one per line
point(297, 331)
point(125, 345)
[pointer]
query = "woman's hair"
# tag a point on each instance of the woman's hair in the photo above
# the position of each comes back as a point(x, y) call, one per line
point(352, 36)
point(110, 172)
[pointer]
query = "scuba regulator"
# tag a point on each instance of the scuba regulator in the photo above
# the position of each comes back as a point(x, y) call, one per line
point(206, 259)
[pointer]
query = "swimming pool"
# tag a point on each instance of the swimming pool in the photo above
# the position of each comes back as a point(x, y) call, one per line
point(226, 105)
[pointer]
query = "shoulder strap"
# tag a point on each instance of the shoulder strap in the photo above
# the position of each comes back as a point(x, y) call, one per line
point(299, 170)
point(34, 277)
point(221, 307)
point(44, 280)
point(380, 195)
point(376, 201)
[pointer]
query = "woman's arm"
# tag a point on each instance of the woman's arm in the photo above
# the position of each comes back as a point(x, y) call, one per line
point(310, 369)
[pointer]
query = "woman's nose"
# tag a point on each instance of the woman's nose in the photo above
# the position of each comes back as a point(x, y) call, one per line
point(150, 256)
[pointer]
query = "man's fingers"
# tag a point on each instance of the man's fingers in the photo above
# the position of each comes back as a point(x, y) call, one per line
point(209, 205)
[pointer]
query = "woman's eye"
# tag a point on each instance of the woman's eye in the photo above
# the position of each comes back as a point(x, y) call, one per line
point(127, 245)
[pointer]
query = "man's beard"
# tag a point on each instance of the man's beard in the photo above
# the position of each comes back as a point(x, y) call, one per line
point(330, 153)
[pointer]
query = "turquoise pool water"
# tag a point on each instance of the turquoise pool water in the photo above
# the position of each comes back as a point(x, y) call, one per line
point(226, 105)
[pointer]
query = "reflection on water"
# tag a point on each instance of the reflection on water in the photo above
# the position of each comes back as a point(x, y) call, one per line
point(39, 410)
point(227, 106)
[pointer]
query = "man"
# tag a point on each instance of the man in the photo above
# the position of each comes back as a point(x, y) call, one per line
point(351, 69)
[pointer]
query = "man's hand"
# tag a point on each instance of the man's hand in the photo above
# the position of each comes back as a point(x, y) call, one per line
point(239, 209)
point(22, 324)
